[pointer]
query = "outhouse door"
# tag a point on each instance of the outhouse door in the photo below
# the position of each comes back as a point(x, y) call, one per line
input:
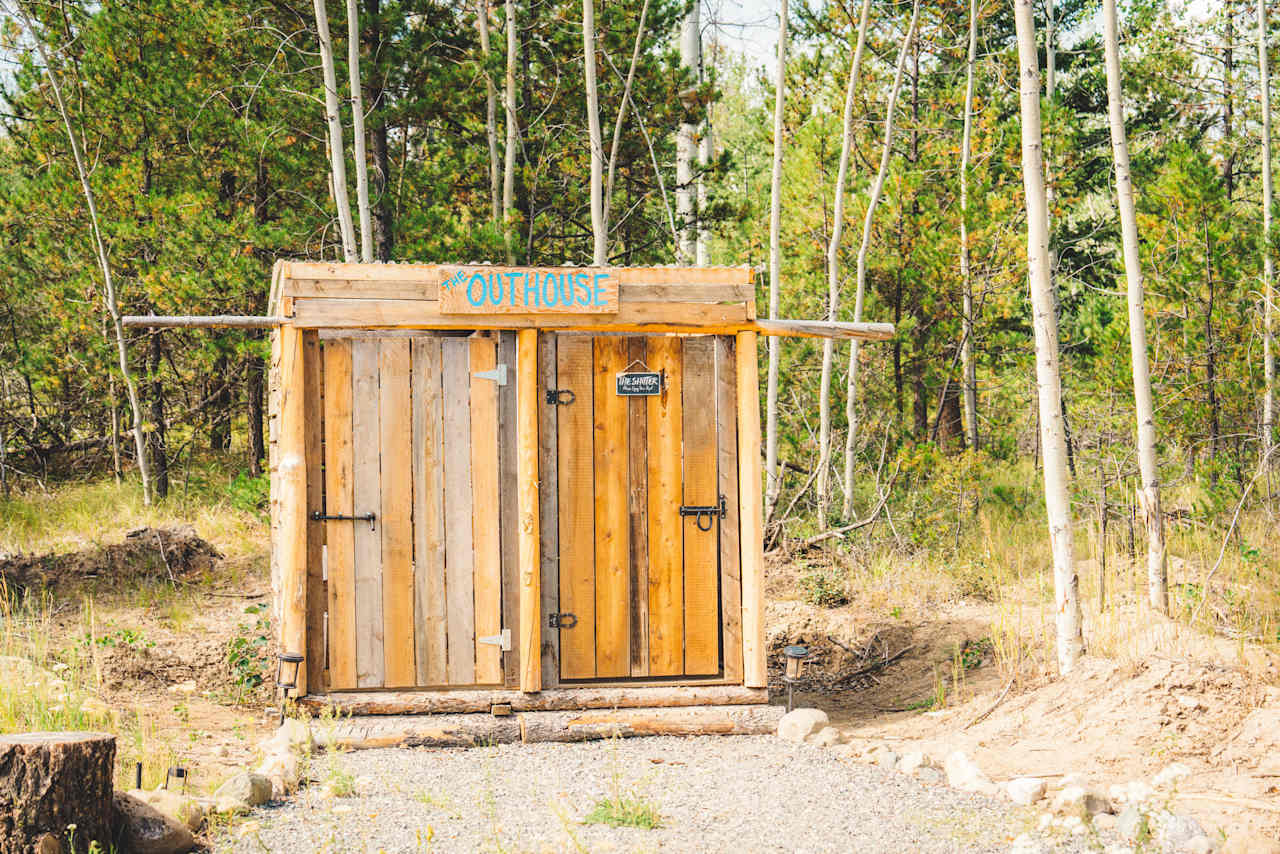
point(646, 539)
point(413, 556)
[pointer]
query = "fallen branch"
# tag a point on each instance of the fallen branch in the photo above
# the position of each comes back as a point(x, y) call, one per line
point(831, 533)
point(982, 717)
point(880, 665)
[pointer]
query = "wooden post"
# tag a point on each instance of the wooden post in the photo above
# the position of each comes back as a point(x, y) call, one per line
point(529, 544)
point(293, 500)
point(751, 534)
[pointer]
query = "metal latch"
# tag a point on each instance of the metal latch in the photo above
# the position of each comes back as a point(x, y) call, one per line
point(502, 640)
point(317, 516)
point(709, 512)
point(560, 396)
point(498, 374)
point(562, 620)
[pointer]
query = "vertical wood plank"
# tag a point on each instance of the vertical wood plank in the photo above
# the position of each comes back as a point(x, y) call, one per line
point(577, 531)
point(293, 499)
point(700, 488)
point(548, 507)
point(395, 523)
point(637, 478)
point(612, 517)
point(485, 509)
point(530, 569)
point(508, 495)
point(430, 616)
point(340, 536)
point(730, 547)
point(751, 519)
point(666, 536)
point(367, 498)
point(317, 594)
point(459, 555)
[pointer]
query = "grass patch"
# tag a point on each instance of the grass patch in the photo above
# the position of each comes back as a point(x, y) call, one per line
point(625, 811)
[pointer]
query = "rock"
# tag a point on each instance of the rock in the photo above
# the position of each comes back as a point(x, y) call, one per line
point(1249, 842)
point(929, 776)
point(879, 754)
point(914, 761)
point(1026, 844)
point(297, 734)
point(1131, 823)
point(1025, 790)
point(1179, 832)
point(178, 807)
point(340, 809)
point(799, 724)
point(1104, 821)
point(283, 770)
point(964, 775)
point(828, 736)
point(249, 789)
point(143, 829)
point(188, 687)
point(1133, 792)
point(1170, 775)
point(1078, 800)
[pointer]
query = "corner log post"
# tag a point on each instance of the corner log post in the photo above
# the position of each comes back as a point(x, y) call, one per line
point(549, 700)
point(529, 542)
point(751, 529)
point(292, 509)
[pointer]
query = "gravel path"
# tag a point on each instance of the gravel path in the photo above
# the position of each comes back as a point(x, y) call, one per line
point(714, 794)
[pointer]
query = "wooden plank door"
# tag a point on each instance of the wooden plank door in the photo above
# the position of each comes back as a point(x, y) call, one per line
point(642, 589)
point(411, 436)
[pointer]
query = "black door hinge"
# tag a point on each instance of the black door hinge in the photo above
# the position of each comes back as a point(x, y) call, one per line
point(562, 620)
point(560, 396)
point(707, 512)
point(317, 516)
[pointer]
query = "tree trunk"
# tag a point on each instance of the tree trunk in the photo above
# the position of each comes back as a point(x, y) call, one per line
point(1070, 639)
point(383, 223)
point(1268, 260)
point(220, 421)
point(490, 115)
point(599, 240)
point(773, 483)
point(1144, 409)
point(622, 114)
point(873, 199)
point(969, 383)
point(160, 453)
point(686, 138)
point(1228, 99)
point(357, 131)
point(512, 141)
point(833, 268)
point(337, 150)
point(56, 790)
point(255, 367)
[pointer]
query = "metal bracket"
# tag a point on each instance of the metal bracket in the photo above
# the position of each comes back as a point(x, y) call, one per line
point(317, 516)
point(498, 374)
point(560, 396)
point(709, 512)
point(503, 640)
point(562, 621)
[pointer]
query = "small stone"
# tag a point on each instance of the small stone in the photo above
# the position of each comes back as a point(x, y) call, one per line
point(283, 770)
point(799, 724)
point(249, 828)
point(296, 734)
point(248, 788)
point(929, 776)
point(176, 806)
point(913, 761)
point(340, 809)
point(145, 830)
point(188, 687)
point(1046, 819)
point(1130, 822)
point(1025, 790)
point(1178, 832)
point(964, 775)
point(1077, 800)
point(1249, 842)
point(828, 736)
point(1104, 821)
point(1133, 792)
point(1026, 844)
point(1170, 775)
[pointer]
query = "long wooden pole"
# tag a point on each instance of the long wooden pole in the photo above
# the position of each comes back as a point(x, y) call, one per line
point(529, 548)
point(751, 534)
point(292, 482)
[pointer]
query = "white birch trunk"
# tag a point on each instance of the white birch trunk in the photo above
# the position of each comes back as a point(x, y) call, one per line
point(1144, 409)
point(702, 250)
point(490, 115)
point(622, 115)
point(968, 366)
point(600, 241)
point(337, 151)
point(512, 140)
point(773, 483)
point(686, 142)
point(1268, 259)
point(877, 188)
point(357, 131)
point(833, 269)
point(1070, 639)
point(100, 249)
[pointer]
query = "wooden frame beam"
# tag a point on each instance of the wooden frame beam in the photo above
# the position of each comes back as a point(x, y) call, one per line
point(292, 481)
point(751, 529)
point(529, 544)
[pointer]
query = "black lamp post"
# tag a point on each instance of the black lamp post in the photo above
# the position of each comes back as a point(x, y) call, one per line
point(292, 661)
point(795, 656)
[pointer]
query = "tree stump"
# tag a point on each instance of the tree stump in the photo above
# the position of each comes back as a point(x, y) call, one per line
point(50, 781)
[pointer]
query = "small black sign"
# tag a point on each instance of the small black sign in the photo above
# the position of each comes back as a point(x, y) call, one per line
point(639, 384)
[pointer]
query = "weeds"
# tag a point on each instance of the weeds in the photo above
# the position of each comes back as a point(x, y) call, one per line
point(247, 653)
point(625, 811)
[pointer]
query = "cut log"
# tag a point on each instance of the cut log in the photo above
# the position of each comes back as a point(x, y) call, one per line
point(628, 723)
point(553, 700)
point(420, 731)
point(50, 781)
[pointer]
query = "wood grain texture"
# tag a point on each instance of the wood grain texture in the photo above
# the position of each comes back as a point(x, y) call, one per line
point(577, 530)
point(328, 312)
point(700, 488)
point(755, 672)
point(637, 511)
point(430, 616)
point(293, 499)
point(459, 555)
point(367, 480)
point(340, 536)
point(395, 523)
point(548, 508)
point(486, 509)
point(317, 585)
point(527, 508)
point(666, 539)
point(628, 723)
point(462, 701)
point(508, 496)
point(730, 547)
point(612, 519)
point(486, 290)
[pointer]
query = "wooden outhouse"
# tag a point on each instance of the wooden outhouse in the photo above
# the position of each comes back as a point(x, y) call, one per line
point(523, 489)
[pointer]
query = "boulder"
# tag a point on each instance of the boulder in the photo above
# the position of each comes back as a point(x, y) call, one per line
point(879, 754)
point(1249, 842)
point(964, 775)
point(1025, 791)
point(1131, 822)
point(246, 788)
point(142, 829)
point(799, 724)
point(1079, 800)
point(1133, 792)
point(828, 736)
point(1170, 775)
point(1181, 833)
point(283, 770)
point(913, 761)
point(178, 807)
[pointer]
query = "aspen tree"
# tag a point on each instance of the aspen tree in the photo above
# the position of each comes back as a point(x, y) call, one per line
point(357, 132)
point(599, 242)
point(513, 133)
point(686, 139)
point(1268, 260)
point(337, 151)
point(490, 115)
point(969, 384)
point(773, 483)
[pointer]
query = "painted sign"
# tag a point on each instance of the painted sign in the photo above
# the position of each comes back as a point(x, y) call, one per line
point(528, 290)
point(639, 384)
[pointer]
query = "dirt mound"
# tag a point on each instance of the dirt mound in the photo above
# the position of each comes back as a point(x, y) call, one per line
point(146, 553)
